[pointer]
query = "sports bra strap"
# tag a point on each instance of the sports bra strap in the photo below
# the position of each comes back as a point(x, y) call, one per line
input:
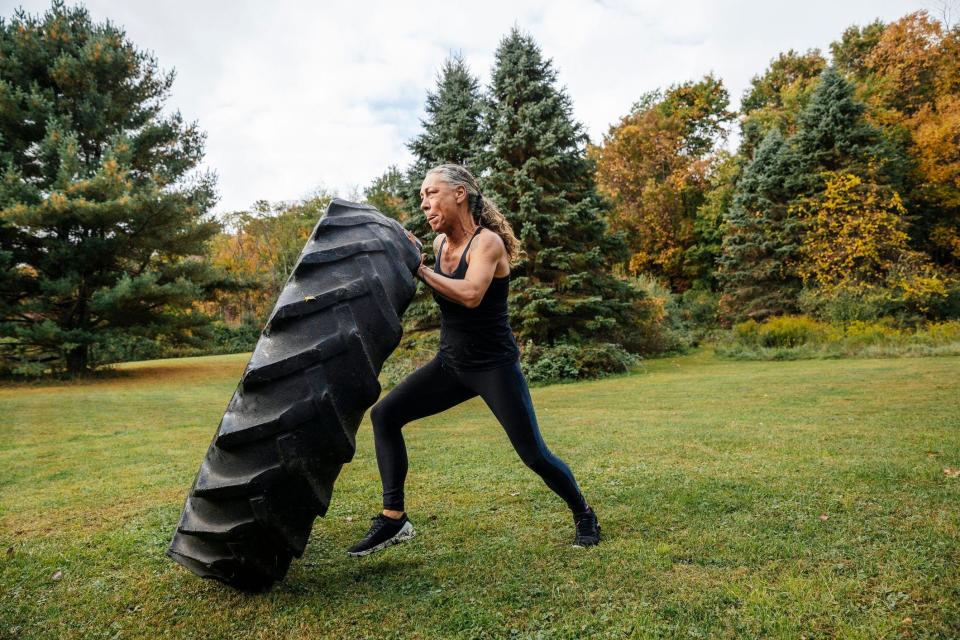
point(465, 249)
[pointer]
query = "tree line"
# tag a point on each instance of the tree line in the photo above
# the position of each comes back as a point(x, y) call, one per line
point(841, 201)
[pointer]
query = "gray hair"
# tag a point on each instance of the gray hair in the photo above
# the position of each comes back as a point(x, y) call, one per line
point(483, 210)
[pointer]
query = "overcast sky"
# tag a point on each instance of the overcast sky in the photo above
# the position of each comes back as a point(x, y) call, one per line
point(300, 95)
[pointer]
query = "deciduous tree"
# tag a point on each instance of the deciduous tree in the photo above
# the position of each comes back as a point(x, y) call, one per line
point(655, 165)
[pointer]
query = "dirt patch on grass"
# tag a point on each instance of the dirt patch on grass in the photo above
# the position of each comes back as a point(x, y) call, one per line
point(153, 372)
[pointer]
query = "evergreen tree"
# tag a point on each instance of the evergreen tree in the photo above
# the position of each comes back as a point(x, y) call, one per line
point(761, 237)
point(776, 98)
point(833, 135)
point(451, 133)
point(702, 257)
point(102, 212)
point(543, 182)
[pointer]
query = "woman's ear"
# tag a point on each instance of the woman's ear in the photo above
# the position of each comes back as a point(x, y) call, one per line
point(461, 193)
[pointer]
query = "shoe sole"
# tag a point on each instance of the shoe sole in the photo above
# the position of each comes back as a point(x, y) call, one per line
point(406, 532)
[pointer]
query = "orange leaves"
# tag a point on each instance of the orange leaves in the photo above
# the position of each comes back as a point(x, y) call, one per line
point(642, 168)
point(913, 61)
point(936, 130)
point(916, 75)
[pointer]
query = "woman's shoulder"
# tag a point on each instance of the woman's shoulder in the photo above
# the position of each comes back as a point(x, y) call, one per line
point(490, 239)
point(437, 240)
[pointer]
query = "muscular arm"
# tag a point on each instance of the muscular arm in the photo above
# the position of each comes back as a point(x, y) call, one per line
point(487, 251)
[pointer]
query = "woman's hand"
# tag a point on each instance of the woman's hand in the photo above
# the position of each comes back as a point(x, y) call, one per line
point(419, 247)
point(421, 267)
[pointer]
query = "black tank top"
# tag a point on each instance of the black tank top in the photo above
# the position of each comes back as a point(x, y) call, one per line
point(478, 338)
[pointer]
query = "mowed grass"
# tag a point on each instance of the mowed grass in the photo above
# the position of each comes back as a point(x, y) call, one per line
point(738, 499)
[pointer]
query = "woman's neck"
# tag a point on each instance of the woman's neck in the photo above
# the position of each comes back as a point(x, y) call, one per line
point(461, 233)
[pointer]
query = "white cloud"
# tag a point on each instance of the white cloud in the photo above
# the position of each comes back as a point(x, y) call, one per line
point(295, 95)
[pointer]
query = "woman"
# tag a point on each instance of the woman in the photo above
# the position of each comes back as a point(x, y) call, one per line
point(478, 355)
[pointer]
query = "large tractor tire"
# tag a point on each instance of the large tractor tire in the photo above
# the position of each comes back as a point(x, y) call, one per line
point(292, 422)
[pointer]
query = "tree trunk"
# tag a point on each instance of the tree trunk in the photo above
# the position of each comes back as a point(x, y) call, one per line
point(78, 359)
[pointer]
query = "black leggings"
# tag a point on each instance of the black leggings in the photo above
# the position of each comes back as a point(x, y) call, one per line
point(436, 387)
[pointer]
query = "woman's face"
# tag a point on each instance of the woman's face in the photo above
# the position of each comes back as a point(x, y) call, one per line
point(440, 202)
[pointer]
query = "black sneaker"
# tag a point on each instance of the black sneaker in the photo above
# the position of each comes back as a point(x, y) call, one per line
point(384, 531)
point(588, 529)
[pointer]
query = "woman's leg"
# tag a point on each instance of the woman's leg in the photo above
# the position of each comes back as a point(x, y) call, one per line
point(506, 393)
point(429, 390)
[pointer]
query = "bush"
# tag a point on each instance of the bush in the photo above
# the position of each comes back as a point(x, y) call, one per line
point(566, 361)
point(232, 339)
point(792, 337)
point(700, 308)
point(217, 338)
point(912, 303)
point(861, 333)
point(658, 325)
point(782, 331)
point(943, 332)
point(845, 305)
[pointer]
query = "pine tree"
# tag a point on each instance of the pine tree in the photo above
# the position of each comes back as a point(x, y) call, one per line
point(543, 182)
point(761, 238)
point(833, 135)
point(101, 209)
point(451, 133)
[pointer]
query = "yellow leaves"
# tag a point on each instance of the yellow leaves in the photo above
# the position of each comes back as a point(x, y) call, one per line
point(642, 168)
point(856, 233)
point(909, 60)
point(951, 473)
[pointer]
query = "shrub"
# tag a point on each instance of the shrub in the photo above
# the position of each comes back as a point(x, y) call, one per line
point(566, 361)
point(943, 332)
point(700, 311)
point(791, 337)
point(658, 326)
point(846, 305)
point(919, 294)
point(861, 333)
point(217, 338)
point(782, 331)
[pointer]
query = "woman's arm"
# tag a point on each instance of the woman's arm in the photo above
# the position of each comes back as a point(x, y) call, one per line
point(487, 251)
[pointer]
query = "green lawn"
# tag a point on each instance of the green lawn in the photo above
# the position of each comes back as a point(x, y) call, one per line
point(738, 499)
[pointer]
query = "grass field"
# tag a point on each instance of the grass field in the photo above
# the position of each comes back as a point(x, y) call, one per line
point(806, 499)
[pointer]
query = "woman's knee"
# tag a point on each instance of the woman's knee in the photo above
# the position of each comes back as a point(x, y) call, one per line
point(536, 460)
point(383, 417)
